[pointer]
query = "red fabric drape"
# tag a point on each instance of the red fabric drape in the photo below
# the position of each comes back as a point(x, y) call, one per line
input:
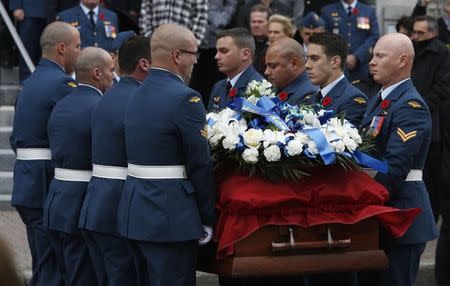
point(329, 195)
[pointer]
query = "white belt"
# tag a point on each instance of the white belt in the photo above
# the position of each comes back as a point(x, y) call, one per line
point(157, 172)
point(72, 175)
point(33, 154)
point(414, 175)
point(109, 172)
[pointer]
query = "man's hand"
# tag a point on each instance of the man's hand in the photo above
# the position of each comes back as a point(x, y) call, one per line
point(207, 235)
point(352, 61)
point(19, 14)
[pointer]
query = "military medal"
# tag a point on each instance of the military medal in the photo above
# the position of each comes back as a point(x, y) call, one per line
point(110, 30)
point(375, 126)
point(363, 23)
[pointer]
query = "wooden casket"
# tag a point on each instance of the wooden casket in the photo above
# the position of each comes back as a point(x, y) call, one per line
point(277, 250)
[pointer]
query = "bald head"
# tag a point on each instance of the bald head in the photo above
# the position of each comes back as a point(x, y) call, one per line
point(95, 67)
point(169, 37)
point(288, 48)
point(54, 34)
point(392, 60)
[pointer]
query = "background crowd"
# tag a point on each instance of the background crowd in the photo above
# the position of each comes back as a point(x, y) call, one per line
point(269, 21)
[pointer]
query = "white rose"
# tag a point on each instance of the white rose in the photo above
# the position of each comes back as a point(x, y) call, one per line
point(309, 117)
point(302, 137)
point(250, 155)
point(272, 153)
point(350, 144)
point(294, 147)
point(253, 137)
point(253, 99)
point(338, 146)
point(214, 141)
point(230, 142)
point(312, 147)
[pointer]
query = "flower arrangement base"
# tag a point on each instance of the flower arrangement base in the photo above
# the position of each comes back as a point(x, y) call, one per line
point(276, 250)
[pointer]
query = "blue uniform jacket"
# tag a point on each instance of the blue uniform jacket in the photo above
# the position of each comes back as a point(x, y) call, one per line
point(99, 211)
point(347, 98)
point(39, 94)
point(105, 30)
point(32, 8)
point(219, 98)
point(69, 132)
point(300, 90)
point(360, 31)
point(403, 142)
point(165, 125)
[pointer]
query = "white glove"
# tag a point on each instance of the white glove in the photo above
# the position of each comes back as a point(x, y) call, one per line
point(207, 235)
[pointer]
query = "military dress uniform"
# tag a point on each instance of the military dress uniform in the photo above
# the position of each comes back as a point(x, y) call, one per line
point(169, 192)
point(69, 132)
point(32, 169)
point(401, 127)
point(100, 32)
point(299, 90)
point(344, 97)
point(220, 98)
point(98, 218)
point(359, 29)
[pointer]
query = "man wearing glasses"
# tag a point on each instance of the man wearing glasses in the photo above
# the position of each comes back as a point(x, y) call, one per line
point(167, 203)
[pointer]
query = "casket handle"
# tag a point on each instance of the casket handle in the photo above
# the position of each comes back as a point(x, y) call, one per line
point(319, 244)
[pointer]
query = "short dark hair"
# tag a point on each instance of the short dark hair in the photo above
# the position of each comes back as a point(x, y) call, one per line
point(432, 23)
point(261, 8)
point(333, 45)
point(132, 51)
point(405, 22)
point(241, 37)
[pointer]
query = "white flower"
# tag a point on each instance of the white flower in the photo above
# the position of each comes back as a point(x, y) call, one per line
point(338, 146)
point(294, 147)
point(312, 147)
point(252, 99)
point(230, 142)
point(273, 137)
point(250, 155)
point(272, 153)
point(350, 144)
point(302, 137)
point(214, 140)
point(253, 137)
point(309, 116)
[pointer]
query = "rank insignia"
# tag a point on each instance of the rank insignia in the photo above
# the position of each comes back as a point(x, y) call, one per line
point(360, 100)
point(356, 81)
point(334, 14)
point(75, 24)
point(414, 104)
point(406, 136)
point(204, 132)
point(216, 99)
point(194, 99)
point(72, 84)
point(308, 96)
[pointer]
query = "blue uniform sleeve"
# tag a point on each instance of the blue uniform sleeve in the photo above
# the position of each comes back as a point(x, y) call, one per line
point(191, 123)
point(65, 86)
point(408, 137)
point(362, 52)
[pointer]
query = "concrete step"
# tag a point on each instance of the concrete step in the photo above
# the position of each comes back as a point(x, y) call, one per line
point(6, 116)
point(9, 76)
point(5, 132)
point(8, 94)
point(6, 182)
point(7, 158)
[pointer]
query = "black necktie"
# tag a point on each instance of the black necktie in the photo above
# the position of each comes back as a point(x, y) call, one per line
point(228, 88)
point(91, 18)
point(377, 103)
point(349, 10)
point(319, 96)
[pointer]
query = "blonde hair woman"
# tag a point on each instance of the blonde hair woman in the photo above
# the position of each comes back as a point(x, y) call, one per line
point(279, 27)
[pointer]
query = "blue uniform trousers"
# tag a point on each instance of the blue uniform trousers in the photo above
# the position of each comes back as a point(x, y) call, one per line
point(44, 259)
point(74, 259)
point(30, 30)
point(404, 261)
point(443, 253)
point(113, 261)
point(166, 264)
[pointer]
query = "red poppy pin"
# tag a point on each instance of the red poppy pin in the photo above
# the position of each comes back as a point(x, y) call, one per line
point(326, 101)
point(385, 104)
point(232, 92)
point(101, 16)
point(355, 11)
point(283, 96)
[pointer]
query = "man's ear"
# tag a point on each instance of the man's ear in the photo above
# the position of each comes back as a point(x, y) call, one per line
point(246, 53)
point(60, 48)
point(336, 62)
point(96, 73)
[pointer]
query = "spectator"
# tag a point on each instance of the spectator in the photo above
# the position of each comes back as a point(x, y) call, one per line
point(127, 12)
point(431, 65)
point(192, 14)
point(275, 6)
point(306, 27)
point(279, 27)
point(405, 25)
point(443, 22)
point(259, 24)
point(297, 7)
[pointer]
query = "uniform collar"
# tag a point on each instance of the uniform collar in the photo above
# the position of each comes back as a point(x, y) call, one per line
point(86, 10)
point(353, 5)
point(91, 86)
point(330, 86)
point(385, 92)
point(236, 78)
point(130, 80)
point(43, 60)
point(168, 71)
